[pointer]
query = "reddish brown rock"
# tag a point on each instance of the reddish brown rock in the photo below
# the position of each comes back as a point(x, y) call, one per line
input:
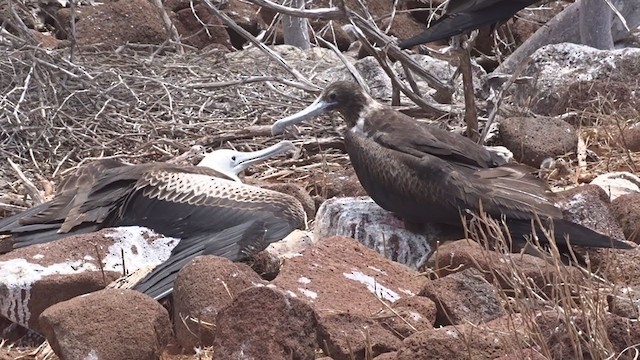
point(523, 354)
point(534, 139)
point(202, 289)
point(345, 336)
point(486, 341)
point(559, 331)
point(266, 323)
point(116, 23)
point(626, 209)
point(107, 324)
point(408, 315)
point(463, 297)
point(338, 276)
point(247, 16)
point(622, 267)
point(506, 270)
point(194, 33)
point(527, 22)
point(46, 39)
point(36, 277)
point(343, 184)
point(629, 138)
point(387, 356)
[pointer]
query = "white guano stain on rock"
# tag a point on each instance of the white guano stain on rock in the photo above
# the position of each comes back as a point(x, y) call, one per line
point(139, 252)
point(308, 293)
point(373, 285)
point(19, 275)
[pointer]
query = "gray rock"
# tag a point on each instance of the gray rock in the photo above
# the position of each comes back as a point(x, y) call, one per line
point(362, 219)
point(553, 68)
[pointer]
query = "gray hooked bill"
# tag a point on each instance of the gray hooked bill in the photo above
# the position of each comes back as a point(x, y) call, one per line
point(317, 108)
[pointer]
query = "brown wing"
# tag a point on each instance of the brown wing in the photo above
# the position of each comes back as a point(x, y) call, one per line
point(404, 134)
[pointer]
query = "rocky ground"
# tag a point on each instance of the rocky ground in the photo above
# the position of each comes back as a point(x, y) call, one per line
point(357, 285)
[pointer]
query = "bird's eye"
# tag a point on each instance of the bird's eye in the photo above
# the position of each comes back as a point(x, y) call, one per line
point(333, 96)
point(233, 158)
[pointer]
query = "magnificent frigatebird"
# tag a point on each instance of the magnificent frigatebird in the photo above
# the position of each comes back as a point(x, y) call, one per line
point(462, 16)
point(205, 206)
point(427, 175)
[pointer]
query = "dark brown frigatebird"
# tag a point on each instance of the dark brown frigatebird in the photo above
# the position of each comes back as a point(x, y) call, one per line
point(205, 206)
point(462, 16)
point(424, 174)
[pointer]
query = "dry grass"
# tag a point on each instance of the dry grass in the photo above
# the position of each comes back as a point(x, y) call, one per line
point(564, 318)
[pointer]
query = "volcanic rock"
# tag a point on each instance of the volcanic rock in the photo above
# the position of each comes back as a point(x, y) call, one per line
point(107, 324)
point(264, 322)
point(38, 276)
point(202, 289)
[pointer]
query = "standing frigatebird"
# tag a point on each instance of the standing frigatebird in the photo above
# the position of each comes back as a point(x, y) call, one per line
point(424, 174)
point(205, 206)
point(462, 16)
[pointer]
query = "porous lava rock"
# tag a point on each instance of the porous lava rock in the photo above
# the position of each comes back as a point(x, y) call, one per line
point(202, 289)
point(200, 27)
point(560, 333)
point(35, 277)
point(346, 283)
point(626, 209)
point(485, 341)
point(264, 322)
point(464, 297)
point(408, 315)
point(534, 139)
point(554, 68)
point(625, 302)
point(115, 23)
point(345, 335)
point(505, 270)
point(107, 324)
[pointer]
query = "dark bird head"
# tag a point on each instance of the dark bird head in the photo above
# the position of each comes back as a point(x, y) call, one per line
point(343, 96)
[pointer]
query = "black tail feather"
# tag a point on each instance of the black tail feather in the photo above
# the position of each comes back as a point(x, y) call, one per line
point(563, 230)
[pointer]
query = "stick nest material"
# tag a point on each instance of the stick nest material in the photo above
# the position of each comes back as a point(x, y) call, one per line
point(135, 105)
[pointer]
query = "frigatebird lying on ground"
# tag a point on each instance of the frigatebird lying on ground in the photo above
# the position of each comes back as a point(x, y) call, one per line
point(424, 174)
point(205, 206)
point(462, 16)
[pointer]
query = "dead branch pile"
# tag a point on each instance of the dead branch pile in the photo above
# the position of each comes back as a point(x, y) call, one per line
point(136, 105)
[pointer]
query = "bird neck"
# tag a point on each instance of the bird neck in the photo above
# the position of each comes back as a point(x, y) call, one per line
point(357, 111)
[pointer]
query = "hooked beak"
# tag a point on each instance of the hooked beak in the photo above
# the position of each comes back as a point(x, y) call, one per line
point(246, 159)
point(318, 107)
